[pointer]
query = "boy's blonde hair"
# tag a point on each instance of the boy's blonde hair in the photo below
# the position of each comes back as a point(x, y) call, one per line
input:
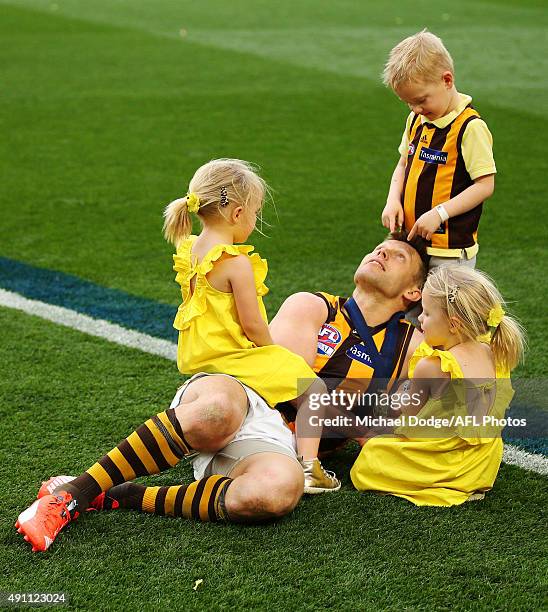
point(470, 295)
point(217, 184)
point(421, 57)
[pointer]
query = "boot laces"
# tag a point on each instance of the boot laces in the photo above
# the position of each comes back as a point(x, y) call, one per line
point(328, 473)
point(52, 518)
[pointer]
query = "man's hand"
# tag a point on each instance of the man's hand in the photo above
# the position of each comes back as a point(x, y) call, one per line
point(392, 215)
point(426, 225)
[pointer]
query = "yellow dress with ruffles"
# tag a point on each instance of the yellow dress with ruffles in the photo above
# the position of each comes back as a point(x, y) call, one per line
point(211, 338)
point(459, 464)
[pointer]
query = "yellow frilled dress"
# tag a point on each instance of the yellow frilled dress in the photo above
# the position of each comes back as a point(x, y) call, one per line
point(457, 465)
point(212, 340)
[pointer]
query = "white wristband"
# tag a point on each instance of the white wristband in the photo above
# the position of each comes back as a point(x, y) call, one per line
point(442, 212)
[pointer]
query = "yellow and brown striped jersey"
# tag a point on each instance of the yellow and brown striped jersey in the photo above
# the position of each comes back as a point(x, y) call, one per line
point(436, 172)
point(343, 363)
point(342, 359)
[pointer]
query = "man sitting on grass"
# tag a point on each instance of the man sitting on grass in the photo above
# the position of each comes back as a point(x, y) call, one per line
point(242, 452)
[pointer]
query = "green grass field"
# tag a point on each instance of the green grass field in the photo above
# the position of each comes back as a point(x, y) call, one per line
point(109, 106)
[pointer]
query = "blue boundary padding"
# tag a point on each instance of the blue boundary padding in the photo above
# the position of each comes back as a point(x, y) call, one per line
point(149, 317)
point(68, 291)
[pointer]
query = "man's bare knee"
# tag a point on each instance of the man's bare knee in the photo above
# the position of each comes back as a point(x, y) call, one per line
point(284, 500)
point(278, 495)
point(211, 421)
point(270, 495)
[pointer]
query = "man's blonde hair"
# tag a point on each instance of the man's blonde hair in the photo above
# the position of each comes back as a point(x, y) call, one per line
point(469, 295)
point(217, 184)
point(421, 57)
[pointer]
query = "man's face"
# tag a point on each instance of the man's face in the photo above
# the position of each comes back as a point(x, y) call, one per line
point(391, 269)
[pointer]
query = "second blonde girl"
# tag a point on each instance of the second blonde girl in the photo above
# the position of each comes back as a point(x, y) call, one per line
point(461, 375)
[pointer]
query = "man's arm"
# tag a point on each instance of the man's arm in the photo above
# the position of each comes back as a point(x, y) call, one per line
point(297, 323)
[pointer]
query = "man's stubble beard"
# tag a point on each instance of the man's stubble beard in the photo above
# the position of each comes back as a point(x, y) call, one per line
point(375, 284)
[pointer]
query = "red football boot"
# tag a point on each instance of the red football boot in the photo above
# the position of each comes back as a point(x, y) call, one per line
point(43, 520)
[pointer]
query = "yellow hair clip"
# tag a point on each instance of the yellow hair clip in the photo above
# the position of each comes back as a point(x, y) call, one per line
point(495, 316)
point(192, 202)
point(485, 338)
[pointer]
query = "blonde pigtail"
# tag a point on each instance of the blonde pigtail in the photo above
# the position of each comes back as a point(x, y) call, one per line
point(473, 298)
point(177, 221)
point(217, 186)
point(508, 342)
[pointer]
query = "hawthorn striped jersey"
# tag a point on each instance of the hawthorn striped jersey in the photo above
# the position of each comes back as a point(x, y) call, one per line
point(436, 172)
point(342, 359)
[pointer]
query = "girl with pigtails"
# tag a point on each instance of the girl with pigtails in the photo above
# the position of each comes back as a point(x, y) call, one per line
point(242, 453)
point(222, 322)
point(448, 447)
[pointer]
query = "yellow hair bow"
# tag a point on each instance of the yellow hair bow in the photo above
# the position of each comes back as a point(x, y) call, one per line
point(192, 202)
point(495, 316)
point(493, 321)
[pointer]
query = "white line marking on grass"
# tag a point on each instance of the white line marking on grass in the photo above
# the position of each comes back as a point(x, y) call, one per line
point(168, 350)
point(88, 325)
point(527, 461)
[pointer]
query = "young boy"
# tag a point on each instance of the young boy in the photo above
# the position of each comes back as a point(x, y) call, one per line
point(446, 169)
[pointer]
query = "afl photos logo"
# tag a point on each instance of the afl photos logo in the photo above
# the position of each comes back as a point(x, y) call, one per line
point(328, 339)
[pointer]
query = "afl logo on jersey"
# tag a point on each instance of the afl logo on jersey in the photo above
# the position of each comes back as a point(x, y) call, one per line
point(328, 339)
point(411, 149)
